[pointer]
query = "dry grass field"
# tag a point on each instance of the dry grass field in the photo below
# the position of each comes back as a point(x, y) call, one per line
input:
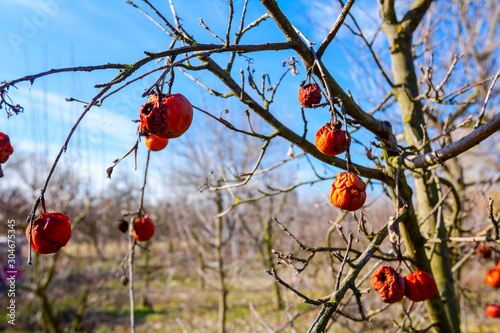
point(84, 285)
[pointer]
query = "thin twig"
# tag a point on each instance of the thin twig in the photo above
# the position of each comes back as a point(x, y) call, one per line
point(143, 188)
point(487, 98)
point(339, 275)
point(231, 13)
point(440, 202)
point(209, 30)
point(32, 78)
point(336, 26)
point(32, 213)
point(109, 170)
point(150, 18)
point(448, 73)
point(167, 23)
point(306, 299)
point(248, 175)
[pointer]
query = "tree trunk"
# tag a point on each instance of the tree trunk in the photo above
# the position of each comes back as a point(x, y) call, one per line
point(406, 90)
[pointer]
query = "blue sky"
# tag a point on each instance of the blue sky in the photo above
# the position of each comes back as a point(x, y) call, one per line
point(41, 35)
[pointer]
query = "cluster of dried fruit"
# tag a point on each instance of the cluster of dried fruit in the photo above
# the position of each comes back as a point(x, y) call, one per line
point(348, 190)
point(165, 117)
point(162, 117)
point(392, 287)
point(143, 230)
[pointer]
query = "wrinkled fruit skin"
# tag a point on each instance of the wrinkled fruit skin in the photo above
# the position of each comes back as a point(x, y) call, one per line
point(155, 143)
point(420, 286)
point(5, 148)
point(168, 119)
point(331, 139)
point(493, 277)
point(493, 310)
point(484, 251)
point(144, 229)
point(50, 233)
point(309, 95)
point(348, 191)
point(389, 285)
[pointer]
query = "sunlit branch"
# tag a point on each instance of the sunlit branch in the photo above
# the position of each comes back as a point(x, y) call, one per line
point(449, 131)
point(150, 18)
point(412, 18)
point(449, 72)
point(210, 90)
point(450, 96)
point(167, 23)
point(203, 49)
point(210, 31)
point(277, 165)
point(486, 99)
point(130, 82)
point(109, 170)
point(231, 126)
point(242, 31)
point(247, 176)
point(370, 48)
point(436, 207)
point(174, 14)
point(471, 239)
point(454, 149)
point(231, 13)
point(336, 26)
point(32, 78)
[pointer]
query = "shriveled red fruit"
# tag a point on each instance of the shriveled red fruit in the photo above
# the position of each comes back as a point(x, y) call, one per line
point(420, 286)
point(389, 285)
point(483, 251)
point(5, 147)
point(167, 117)
point(144, 229)
point(51, 231)
point(492, 278)
point(493, 310)
point(155, 143)
point(331, 139)
point(309, 95)
point(348, 191)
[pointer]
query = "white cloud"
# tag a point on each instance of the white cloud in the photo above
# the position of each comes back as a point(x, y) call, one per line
point(102, 136)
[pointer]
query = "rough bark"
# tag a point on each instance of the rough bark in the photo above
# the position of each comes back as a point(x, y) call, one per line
point(406, 90)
